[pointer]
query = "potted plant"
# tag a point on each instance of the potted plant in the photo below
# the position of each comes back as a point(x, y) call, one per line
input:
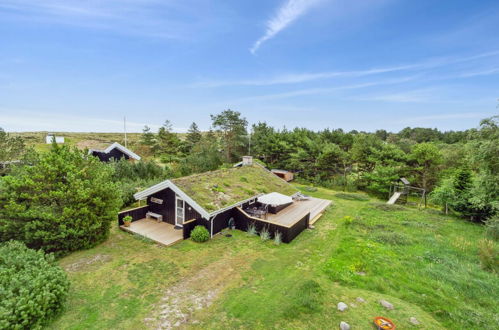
point(127, 221)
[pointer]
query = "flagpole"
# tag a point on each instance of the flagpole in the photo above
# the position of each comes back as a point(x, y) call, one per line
point(124, 128)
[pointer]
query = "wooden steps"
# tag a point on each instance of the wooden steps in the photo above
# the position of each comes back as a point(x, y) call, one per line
point(318, 209)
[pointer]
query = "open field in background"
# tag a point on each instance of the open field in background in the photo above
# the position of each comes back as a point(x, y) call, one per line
point(424, 263)
point(80, 140)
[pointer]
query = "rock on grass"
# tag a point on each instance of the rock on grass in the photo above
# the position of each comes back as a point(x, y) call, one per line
point(342, 306)
point(386, 304)
point(344, 326)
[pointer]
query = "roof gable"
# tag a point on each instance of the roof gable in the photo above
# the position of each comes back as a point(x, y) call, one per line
point(124, 150)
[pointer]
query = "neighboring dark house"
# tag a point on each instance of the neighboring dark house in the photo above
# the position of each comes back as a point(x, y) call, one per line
point(115, 151)
point(236, 197)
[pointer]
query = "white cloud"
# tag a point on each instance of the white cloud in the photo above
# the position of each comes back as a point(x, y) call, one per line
point(410, 96)
point(150, 18)
point(286, 15)
point(323, 90)
point(294, 78)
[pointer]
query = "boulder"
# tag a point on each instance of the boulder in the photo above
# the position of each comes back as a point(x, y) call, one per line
point(342, 306)
point(414, 320)
point(360, 300)
point(386, 304)
point(344, 326)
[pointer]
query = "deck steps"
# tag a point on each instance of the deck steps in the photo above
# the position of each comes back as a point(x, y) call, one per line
point(317, 211)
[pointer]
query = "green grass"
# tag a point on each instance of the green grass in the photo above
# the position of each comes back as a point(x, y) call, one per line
point(217, 189)
point(80, 140)
point(424, 263)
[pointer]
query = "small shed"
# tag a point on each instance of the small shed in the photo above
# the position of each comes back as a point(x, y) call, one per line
point(51, 137)
point(283, 174)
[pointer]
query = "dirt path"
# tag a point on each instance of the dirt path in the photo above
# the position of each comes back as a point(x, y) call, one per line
point(196, 292)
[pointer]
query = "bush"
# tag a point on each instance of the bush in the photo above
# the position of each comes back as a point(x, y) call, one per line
point(251, 230)
point(33, 288)
point(277, 238)
point(492, 228)
point(200, 234)
point(348, 220)
point(489, 255)
point(264, 234)
point(64, 202)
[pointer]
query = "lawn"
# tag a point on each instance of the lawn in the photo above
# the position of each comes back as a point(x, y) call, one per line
point(422, 262)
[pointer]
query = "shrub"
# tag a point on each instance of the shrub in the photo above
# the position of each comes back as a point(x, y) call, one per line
point(348, 220)
point(64, 202)
point(489, 255)
point(277, 238)
point(492, 228)
point(264, 234)
point(251, 230)
point(33, 288)
point(127, 219)
point(200, 234)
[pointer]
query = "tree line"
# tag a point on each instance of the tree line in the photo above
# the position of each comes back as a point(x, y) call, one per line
point(459, 169)
point(368, 161)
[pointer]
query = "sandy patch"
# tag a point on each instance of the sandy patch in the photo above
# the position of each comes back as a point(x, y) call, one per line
point(195, 293)
point(83, 263)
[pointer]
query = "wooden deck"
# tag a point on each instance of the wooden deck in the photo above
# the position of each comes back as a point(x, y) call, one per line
point(298, 210)
point(159, 232)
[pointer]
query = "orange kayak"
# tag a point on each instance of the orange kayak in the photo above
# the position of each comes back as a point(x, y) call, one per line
point(383, 323)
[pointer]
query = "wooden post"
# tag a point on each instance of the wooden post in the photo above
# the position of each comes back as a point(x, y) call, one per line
point(424, 193)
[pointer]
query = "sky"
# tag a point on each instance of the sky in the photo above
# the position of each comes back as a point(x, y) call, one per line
point(70, 65)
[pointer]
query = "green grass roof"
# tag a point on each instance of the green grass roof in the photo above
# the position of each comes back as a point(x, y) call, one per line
point(218, 189)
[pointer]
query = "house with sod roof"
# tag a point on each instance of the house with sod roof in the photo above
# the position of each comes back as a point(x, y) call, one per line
point(115, 151)
point(245, 195)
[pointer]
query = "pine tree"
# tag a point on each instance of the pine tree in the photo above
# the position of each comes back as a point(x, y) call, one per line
point(193, 135)
point(168, 142)
point(148, 137)
point(65, 201)
point(232, 128)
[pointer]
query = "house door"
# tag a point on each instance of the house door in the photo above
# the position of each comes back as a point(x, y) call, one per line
point(179, 211)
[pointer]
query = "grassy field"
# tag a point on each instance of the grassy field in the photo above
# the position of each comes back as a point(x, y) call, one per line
point(80, 140)
point(424, 263)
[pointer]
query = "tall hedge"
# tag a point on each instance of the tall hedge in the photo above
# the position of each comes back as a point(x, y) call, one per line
point(32, 287)
point(63, 202)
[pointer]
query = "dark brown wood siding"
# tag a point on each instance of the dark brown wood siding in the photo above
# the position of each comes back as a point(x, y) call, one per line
point(220, 221)
point(167, 209)
point(136, 214)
